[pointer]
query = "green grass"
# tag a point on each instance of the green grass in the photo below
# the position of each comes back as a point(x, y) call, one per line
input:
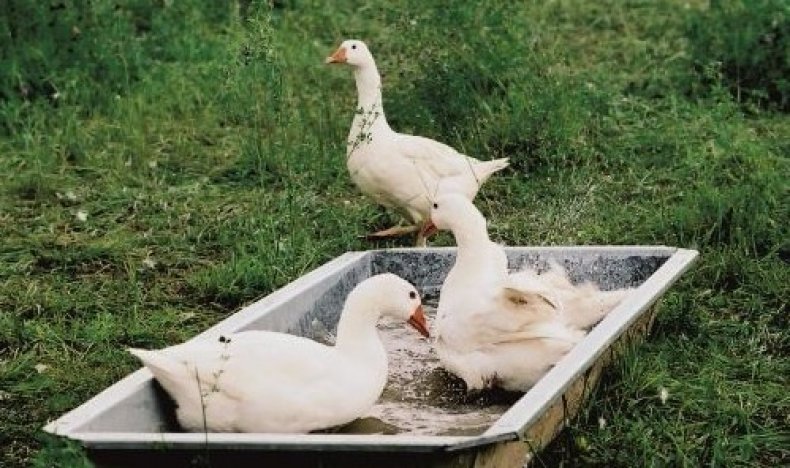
point(205, 148)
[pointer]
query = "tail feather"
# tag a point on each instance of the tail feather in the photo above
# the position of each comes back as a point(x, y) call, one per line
point(612, 299)
point(484, 169)
point(591, 305)
point(170, 373)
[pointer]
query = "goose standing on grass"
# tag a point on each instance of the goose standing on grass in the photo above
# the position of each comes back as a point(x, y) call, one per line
point(397, 170)
point(494, 328)
point(261, 381)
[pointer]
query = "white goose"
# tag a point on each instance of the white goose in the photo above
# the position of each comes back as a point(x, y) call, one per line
point(397, 170)
point(260, 381)
point(497, 328)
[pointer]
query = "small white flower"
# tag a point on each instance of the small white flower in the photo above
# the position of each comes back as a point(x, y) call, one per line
point(663, 395)
point(4, 395)
point(128, 162)
point(601, 423)
point(41, 368)
point(346, 202)
point(149, 263)
point(152, 164)
point(70, 196)
point(81, 216)
point(413, 22)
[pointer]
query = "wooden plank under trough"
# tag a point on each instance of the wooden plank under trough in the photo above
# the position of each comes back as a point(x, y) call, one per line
point(563, 409)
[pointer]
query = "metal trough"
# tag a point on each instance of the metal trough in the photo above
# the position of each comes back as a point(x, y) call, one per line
point(131, 423)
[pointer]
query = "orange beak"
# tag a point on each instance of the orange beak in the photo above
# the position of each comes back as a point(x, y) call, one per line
point(428, 229)
point(338, 57)
point(417, 320)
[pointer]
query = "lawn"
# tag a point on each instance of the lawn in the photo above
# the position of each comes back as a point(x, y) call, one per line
point(163, 163)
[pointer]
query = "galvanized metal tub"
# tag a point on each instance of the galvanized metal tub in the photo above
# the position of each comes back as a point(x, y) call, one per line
point(131, 423)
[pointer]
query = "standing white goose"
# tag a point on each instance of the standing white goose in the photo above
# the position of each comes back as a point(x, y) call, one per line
point(397, 170)
point(497, 328)
point(260, 381)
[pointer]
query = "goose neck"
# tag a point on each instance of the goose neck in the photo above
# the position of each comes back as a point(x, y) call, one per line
point(356, 330)
point(368, 83)
point(472, 247)
point(471, 237)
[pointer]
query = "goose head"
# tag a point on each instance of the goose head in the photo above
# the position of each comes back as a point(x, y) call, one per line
point(390, 295)
point(352, 52)
point(455, 213)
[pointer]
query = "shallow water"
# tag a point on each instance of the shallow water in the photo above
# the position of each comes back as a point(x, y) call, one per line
point(421, 398)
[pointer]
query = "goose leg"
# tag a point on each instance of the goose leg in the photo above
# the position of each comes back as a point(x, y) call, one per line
point(422, 240)
point(393, 232)
point(427, 230)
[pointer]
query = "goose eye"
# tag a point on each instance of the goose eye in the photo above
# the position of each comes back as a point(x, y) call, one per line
point(413, 295)
point(435, 206)
point(353, 46)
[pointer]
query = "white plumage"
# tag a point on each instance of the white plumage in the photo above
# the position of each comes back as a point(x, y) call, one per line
point(497, 328)
point(261, 381)
point(401, 171)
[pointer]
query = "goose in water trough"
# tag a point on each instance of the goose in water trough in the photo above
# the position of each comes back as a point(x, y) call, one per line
point(262, 381)
point(495, 328)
